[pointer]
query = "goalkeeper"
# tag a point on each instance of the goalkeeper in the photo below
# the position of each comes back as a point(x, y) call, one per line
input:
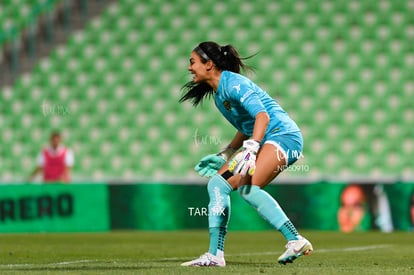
point(268, 139)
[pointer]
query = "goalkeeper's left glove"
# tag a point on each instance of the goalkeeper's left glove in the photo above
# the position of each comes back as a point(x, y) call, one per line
point(245, 161)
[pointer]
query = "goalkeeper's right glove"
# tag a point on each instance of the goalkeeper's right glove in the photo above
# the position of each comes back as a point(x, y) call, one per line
point(245, 161)
point(210, 164)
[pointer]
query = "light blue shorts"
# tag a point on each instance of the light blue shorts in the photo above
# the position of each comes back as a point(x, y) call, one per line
point(290, 145)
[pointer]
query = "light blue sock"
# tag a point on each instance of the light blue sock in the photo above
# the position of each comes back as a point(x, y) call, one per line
point(218, 212)
point(269, 209)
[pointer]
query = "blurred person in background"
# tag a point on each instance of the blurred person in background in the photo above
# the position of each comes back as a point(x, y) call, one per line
point(54, 161)
point(364, 207)
point(353, 213)
point(412, 211)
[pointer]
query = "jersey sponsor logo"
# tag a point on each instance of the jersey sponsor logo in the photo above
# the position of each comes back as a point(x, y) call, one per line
point(227, 105)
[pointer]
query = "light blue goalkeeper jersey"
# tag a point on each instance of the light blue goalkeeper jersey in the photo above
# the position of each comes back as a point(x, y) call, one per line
point(239, 99)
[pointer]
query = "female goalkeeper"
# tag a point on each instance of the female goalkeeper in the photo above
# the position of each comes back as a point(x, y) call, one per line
point(269, 140)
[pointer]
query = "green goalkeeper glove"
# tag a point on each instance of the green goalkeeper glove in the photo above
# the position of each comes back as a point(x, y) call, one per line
point(210, 164)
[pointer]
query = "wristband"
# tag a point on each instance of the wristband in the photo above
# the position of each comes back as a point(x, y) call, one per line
point(226, 153)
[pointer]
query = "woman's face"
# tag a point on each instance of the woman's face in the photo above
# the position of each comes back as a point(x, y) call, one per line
point(199, 69)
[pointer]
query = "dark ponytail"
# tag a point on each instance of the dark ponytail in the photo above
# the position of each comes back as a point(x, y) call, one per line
point(225, 58)
point(196, 92)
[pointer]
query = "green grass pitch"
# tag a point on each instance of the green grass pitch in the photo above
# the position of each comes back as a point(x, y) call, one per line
point(136, 252)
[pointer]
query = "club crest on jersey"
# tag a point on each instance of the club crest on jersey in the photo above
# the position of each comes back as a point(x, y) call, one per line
point(227, 105)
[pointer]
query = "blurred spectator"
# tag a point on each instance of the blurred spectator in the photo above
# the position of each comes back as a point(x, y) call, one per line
point(55, 161)
point(381, 209)
point(412, 211)
point(353, 214)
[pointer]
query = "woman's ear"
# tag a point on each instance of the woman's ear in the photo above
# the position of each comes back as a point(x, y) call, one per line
point(209, 65)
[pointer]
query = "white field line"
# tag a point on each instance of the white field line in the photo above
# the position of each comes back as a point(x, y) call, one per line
point(328, 250)
point(48, 264)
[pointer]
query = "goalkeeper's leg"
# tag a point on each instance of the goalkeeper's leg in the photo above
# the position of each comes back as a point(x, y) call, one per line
point(269, 164)
point(219, 213)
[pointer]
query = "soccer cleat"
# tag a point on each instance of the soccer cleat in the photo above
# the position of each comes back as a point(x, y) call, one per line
point(295, 249)
point(207, 259)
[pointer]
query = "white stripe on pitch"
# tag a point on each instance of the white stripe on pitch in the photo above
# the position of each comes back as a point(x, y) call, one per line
point(48, 264)
point(322, 250)
point(327, 250)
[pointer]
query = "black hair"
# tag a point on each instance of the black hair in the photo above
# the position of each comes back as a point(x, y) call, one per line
point(55, 133)
point(225, 58)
